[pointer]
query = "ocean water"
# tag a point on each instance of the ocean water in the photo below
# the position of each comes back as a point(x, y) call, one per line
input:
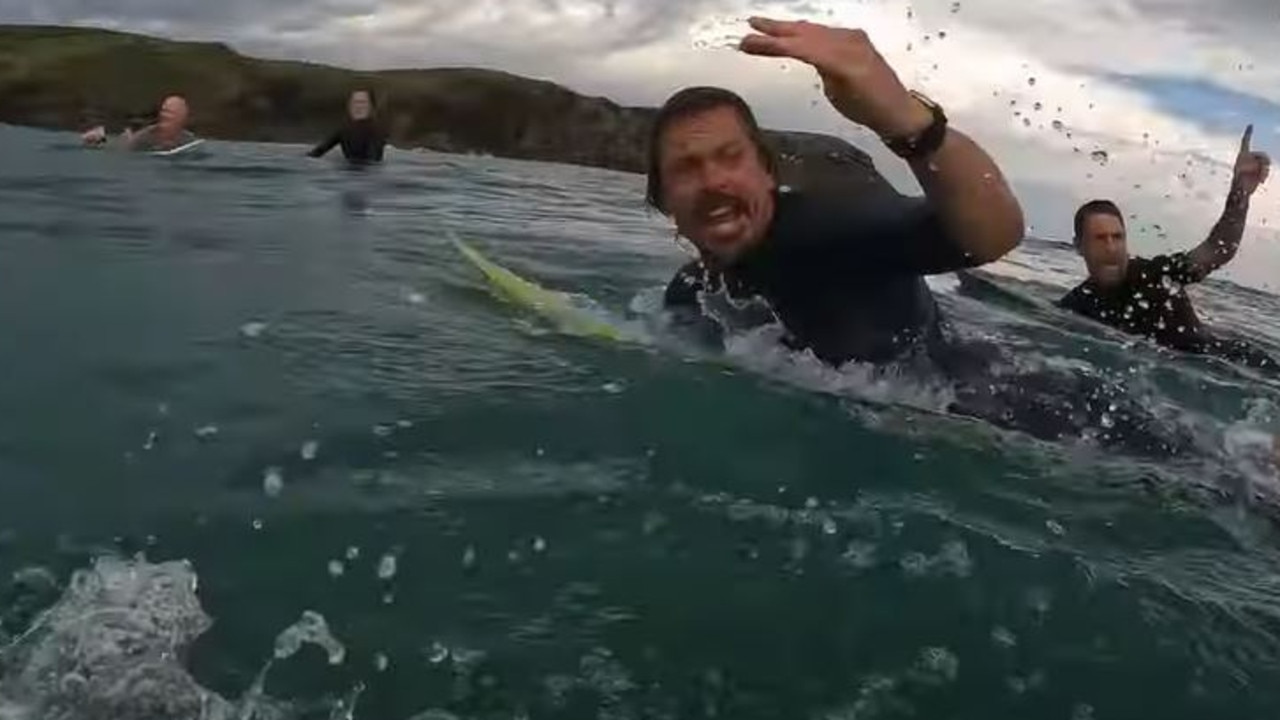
point(268, 449)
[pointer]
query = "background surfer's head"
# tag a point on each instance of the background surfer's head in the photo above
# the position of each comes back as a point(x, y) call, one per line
point(1101, 240)
point(173, 113)
point(360, 105)
point(710, 170)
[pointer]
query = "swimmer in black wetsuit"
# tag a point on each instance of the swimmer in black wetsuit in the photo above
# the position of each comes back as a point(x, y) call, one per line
point(362, 139)
point(843, 271)
point(1146, 296)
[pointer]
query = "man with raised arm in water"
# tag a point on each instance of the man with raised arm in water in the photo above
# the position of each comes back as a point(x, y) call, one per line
point(1147, 296)
point(167, 133)
point(842, 268)
point(843, 271)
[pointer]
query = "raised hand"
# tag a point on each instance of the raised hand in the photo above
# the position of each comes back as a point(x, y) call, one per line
point(856, 79)
point(1252, 168)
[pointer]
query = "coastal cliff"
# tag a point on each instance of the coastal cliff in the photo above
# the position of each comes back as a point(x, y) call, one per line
point(69, 78)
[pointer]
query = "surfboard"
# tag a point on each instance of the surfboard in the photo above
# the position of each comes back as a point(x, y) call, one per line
point(557, 307)
point(180, 149)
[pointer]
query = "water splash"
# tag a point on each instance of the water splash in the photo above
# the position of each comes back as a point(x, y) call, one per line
point(311, 629)
point(110, 648)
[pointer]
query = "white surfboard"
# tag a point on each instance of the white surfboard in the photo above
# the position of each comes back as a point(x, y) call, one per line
point(180, 149)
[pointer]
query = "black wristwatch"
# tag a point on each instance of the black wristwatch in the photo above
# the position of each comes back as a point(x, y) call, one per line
point(928, 141)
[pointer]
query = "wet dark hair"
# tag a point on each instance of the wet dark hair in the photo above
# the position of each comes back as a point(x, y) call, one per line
point(693, 101)
point(1091, 208)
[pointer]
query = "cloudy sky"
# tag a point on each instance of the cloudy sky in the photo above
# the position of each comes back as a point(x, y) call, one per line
point(1164, 87)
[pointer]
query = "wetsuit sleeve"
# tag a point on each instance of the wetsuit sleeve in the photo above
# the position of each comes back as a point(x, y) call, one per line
point(891, 234)
point(379, 145)
point(685, 312)
point(326, 146)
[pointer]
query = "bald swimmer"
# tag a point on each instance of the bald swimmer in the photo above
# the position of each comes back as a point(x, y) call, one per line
point(168, 132)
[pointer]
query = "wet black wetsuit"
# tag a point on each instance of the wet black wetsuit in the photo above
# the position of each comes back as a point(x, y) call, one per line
point(1152, 302)
point(361, 140)
point(845, 277)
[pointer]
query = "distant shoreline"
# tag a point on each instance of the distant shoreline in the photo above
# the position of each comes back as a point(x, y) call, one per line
point(71, 77)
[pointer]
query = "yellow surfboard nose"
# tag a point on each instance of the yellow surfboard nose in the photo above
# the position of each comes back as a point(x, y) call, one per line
point(554, 306)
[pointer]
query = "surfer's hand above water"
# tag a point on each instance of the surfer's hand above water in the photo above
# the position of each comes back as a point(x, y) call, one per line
point(94, 136)
point(1251, 168)
point(856, 79)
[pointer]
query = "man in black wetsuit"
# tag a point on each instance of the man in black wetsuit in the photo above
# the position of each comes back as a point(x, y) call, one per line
point(1146, 296)
point(843, 273)
point(362, 139)
point(843, 270)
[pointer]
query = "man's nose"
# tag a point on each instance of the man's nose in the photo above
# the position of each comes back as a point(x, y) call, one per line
point(714, 176)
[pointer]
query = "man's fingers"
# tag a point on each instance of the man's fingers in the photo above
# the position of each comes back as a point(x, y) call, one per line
point(776, 28)
point(1247, 139)
point(766, 46)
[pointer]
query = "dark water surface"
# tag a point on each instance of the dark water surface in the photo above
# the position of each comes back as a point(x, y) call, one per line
point(280, 372)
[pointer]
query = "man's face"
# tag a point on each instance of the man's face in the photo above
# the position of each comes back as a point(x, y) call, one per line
point(173, 113)
point(1103, 247)
point(714, 183)
point(359, 106)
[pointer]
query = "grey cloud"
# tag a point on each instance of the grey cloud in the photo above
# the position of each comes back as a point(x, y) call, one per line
point(626, 22)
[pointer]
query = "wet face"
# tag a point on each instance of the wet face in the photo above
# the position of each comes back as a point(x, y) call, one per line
point(359, 107)
point(173, 114)
point(714, 183)
point(1103, 247)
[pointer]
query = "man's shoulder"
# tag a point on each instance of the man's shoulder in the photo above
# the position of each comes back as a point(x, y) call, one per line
point(1076, 296)
point(1176, 266)
point(827, 202)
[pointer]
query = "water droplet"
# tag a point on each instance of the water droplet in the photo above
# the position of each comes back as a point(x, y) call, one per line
point(1031, 81)
point(1055, 527)
point(613, 388)
point(539, 545)
point(404, 424)
point(469, 557)
point(381, 430)
point(380, 662)
point(955, 8)
point(152, 437)
point(829, 526)
point(257, 524)
point(1003, 637)
point(811, 503)
point(387, 567)
point(253, 329)
point(273, 481)
point(1099, 156)
point(1107, 421)
point(353, 553)
point(336, 569)
point(942, 34)
point(1057, 125)
point(416, 298)
point(388, 598)
point(309, 449)
point(437, 653)
point(1038, 106)
point(205, 432)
